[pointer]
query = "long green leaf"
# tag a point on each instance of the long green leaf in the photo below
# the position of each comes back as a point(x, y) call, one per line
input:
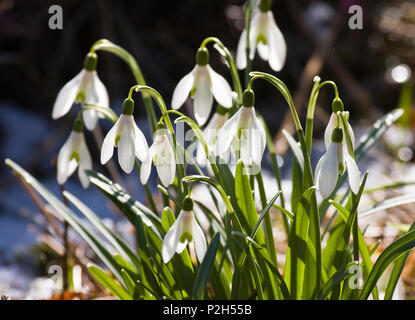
point(204, 269)
point(88, 235)
point(390, 254)
point(396, 272)
point(108, 282)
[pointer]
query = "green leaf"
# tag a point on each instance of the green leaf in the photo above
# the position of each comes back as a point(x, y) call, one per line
point(284, 211)
point(245, 200)
point(390, 254)
point(108, 282)
point(264, 212)
point(119, 244)
point(123, 201)
point(90, 237)
point(341, 275)
point(396, 272)
point(295, 148)
point(386, 204)
point(204, 269)
point(128, 282)
point(167, 219)
point(301, 252)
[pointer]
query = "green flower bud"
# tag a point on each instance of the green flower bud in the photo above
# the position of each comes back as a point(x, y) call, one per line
point(160, 126)
point(337, 135)
point(337, 105)
point(90, 61)
point(248, 98)
point(265, 5)
point(187, 204)
point(128, 107)
point(202, 56)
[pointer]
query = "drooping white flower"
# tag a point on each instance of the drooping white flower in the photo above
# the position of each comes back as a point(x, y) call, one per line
point(84, 88)
point(244, 133)
point(184, 230)
point(210, 133)
point(334, 122)
point(265, 36)
point(203, 83)
point(127, 137)
point(333, 163)
point(73, 154)
point(162, 155)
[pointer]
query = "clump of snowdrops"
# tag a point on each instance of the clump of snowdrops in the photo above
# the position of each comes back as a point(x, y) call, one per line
point(233, 255)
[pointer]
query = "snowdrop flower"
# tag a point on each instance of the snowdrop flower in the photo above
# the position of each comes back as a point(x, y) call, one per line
point(184, 230)
point(74, 153)
point(127, 137)
point(203, 83)
point(162, 155)
point(243, 132)
point(85, 88)
point(337, 105)
point(210, 133)
point(333, 163)
point(265, 35)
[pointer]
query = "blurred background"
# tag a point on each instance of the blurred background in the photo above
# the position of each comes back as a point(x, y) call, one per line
point(371, 66)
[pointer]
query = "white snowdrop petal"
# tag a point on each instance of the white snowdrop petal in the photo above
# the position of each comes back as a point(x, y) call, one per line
point(241, 51)
point(182, 90)
point(351, 135)
point(100, 91)
point(263, 51)
point(220, 88)
point(200, 155)
point(126, 150)
point(353, 173)
point(181, 246)
point(108, 144)
point(202, 98)
point(253, 34)
point(226, 134)
point(329, 171)
point(318, 168)
point(90, 118)
point(146, 167)
point(277, 45)
point(171, 240)
point(165, 162)
point(199, 240)
point(66, 97)
point(63, 164)
point(140, 142)
point(258, 140)
point(329, 130)
point(85, 163)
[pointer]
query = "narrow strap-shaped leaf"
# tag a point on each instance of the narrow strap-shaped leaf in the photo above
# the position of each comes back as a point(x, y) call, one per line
point(264, 212)
point(204, 269)
point(108, 282)
point(336, 279)
point(295, 148)
point(390, 254)
point(88, 235)
point(396, 271)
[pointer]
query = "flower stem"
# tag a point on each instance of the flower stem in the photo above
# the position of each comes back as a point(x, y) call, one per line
point(234, 71)
point(106, 45)
point(269, 236)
